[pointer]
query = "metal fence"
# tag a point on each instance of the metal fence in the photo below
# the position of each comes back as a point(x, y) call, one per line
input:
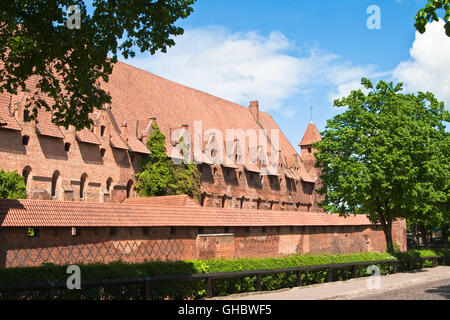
point(146, 282)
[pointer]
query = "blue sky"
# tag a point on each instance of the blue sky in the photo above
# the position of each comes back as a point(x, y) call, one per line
point(291, 55)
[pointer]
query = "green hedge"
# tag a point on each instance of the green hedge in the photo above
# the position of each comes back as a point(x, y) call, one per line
point(195, 290)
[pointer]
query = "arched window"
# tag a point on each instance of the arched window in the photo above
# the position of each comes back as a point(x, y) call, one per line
point(129, 186)
point(25, 174)
point(25, 140)
point(26, 115)
point(224, 199)
point(202, 202)
point(242, 201)
point(82, 185)
point(55, 177)
point(67, 146)
point(102, 131)
point(108, 184)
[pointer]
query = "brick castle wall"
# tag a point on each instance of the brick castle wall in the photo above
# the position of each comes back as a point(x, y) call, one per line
point(137, 244)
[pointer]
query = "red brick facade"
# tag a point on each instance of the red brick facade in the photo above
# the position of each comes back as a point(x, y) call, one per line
point(137, 244)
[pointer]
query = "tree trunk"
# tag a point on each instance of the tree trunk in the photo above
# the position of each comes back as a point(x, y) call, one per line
point(387, 229)
point(389, 242)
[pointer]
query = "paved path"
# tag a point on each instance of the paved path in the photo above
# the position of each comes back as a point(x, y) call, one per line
point(436, 290)
point(410, 283)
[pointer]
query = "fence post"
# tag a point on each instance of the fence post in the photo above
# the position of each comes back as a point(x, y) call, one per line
point(51, 291)
point(330, 275)
point(394, 267)
point(421, 263)
point(258, 282)
point(146, 288)
point(355, 272)
point(299, 278)
point(209, 288)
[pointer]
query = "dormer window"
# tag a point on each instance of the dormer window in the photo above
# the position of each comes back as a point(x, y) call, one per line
point(102, 131)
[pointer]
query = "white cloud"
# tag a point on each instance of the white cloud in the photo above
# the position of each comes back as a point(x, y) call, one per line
point(245, 66)
point(429, 66)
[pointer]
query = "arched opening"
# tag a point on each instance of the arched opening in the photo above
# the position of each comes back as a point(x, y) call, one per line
point(129, 187)
point(203, 199)
point(102, 131)
point(67, 146)
point(242, 201)
point(25, 174)
point(25, 140)
point(108, 184)
point(55, 177)
point(82, 185)
point(224, 199)
point(26, 115)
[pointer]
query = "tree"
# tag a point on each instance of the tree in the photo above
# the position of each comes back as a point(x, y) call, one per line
point(35, 40)
point(160, 176)
point(386, 156)
point(155, 173)
point(12, 185)
point(428, 14)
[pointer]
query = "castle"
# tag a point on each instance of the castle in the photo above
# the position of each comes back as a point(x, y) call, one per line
point(82, 206)
point(99, 164)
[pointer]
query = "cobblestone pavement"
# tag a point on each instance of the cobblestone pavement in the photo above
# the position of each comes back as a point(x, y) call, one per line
point(437, 290)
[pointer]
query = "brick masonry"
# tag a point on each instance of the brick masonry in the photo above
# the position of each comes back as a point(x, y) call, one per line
point(137, 244)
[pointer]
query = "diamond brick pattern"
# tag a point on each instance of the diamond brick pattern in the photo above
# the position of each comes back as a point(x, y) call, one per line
point(98, 252)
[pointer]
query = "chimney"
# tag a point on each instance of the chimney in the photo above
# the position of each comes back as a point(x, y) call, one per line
point(124, 131)
point(254, 110)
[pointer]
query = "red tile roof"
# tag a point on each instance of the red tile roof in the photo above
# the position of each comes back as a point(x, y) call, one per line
point(174, 105)
point(35, 213)
point(137, 95)
point(311, 135)
point(252, 168)
point(117, 141)
point(7, 122)
point(45, 127)
point(87, 136)
point(304, 175)
point(136, 145)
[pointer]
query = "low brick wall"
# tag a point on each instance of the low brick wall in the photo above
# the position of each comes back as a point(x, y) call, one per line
point(138, 244)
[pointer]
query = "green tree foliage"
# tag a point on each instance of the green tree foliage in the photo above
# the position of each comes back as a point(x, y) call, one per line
point(12, 185)
point(386, 156)
point(160, 176)
point(429, 13)
point(35, 40)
